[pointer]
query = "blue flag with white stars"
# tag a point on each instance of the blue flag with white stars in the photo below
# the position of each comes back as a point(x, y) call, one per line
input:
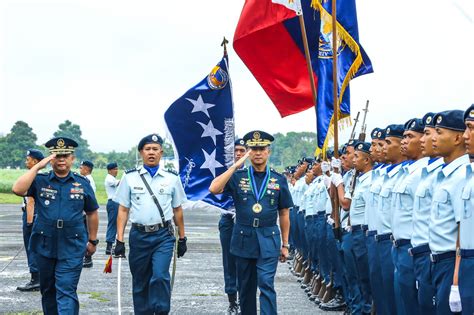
point(201, 124)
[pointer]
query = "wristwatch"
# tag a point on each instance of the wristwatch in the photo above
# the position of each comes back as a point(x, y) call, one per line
point(95, 242)
point(287, 246)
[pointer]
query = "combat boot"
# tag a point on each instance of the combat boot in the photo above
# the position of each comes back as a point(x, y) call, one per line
point(233, 308)
point(336, 304)
point(329, 294)
point(32, 285)
point(87, 263)
point(108, 249)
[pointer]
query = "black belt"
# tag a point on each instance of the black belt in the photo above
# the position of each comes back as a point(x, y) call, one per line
point(371, 233)
point(311, 216)
point(419, 250)
point(321, 213)
point(383, 237)
point(150, 228)
point(256, 222)
point(400, 242)
point(467, 253)
point(230, 215)
point(435, 258)
point(359, 227)
point(60, 223)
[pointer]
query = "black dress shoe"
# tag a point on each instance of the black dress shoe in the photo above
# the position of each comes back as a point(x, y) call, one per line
point(87, 263)
point(32, 285)
point(233, 309)
point(336, 304)
point(108, 250)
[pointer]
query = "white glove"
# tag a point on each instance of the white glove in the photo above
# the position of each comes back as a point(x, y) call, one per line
point(336, 179)
point(327, 181)
point(330, 221)
point(348, 228)
point(336, 163)
point(325, 166)
point(455, 299)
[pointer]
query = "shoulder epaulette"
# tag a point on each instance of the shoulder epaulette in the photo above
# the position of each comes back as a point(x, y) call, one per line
point(274, 171)
point(80, 176)
point(243, 169)
point(172, 171)
point(131, 170)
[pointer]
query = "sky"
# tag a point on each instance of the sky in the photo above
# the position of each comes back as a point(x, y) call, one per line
point(114, 66)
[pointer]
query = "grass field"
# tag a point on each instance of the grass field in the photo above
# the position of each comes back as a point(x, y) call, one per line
point(8, 177)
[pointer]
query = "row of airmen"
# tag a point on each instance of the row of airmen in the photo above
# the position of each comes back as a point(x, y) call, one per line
point(404, 244)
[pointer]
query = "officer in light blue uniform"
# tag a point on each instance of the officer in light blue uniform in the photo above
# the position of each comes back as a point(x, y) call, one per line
point(59, 237)
point(402, 214)
point(300, 188)
point(466, 238)
point(392, 146)
point(448, 204)
point(423, 197)
point(33, 156)
point(151, 238)
point(308, 204)
point(261, 196)
point(111, 184)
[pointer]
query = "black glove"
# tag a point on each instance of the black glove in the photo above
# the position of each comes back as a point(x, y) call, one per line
point(182, 248)
point(119, 251)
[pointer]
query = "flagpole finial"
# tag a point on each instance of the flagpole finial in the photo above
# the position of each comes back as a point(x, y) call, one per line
point(224, 44)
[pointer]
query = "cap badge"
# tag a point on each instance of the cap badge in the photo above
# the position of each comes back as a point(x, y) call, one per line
point(28, 152)
point(388, 130)
point(256, 135)
point(360, 146)
point(471, 113)
point(379, 134)
point(60, 142)
point(428, 120)
point(241, 142)
point(154, 138)
point(438, 121)
point(413, 124)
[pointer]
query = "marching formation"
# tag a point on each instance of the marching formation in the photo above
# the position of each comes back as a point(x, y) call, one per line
point(386, 229)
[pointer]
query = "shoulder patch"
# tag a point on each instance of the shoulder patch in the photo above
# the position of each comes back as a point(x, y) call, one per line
point(272, 170)
point(131, 170)
point(171, 171)
point(80, 176)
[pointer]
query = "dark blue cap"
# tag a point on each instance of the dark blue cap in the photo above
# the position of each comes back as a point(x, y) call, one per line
point(374, 133)
point(394, 131)
point(469, 113)
point(415, 124)
point(428, 119)
point(309, 160)
point(153, 138)
point(240, 142)
point(381, 135)
point(111, 166)
point(88, 164)
point(258, 138)
point(61, 145)
point(35, 154)
point(344, 149)
point(362, 146)
point(351, 142)
point(450, 119)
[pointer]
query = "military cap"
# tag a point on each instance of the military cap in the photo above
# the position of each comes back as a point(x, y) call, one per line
point(381, 134)
point(35, 154)
point(363, 147)
point(344, 149)
point(308, 160)
point(351, 142)
point(394, 131)
point(469, 113)
point(374, 133)
point(450, 119)
point(153, 138)
point(111, 166)
point(61, 145)
point(415, 125)
point(258, 138)
point(89, 164)
point(428, 119)
point(240, 142)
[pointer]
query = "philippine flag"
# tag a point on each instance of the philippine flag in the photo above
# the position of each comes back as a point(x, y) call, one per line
point(268, 40)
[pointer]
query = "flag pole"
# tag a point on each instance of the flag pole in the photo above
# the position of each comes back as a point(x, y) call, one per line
point(307, 56)
point(335, 79)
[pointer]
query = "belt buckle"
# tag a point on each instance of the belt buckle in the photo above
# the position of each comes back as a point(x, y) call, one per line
point(150, 228)
point(375, 237)
point(59, 224)
point(433, 258)
point(256, 222)
point(410, 252)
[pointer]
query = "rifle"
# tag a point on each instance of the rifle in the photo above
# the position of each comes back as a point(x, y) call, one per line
point(356, 120)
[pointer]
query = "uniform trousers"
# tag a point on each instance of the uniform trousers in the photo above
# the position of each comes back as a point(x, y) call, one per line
point(30, 255)
point(112, 211)
point(301, 236)
point(252, 273)
point(291, 236)
point(404, 275)
point(442, 277)
point(354, 294)
point(58, 284)
point(384, 250)
point(334, 258)
point(422, 268)
point(375, 274)
point(149, 260)
point(466, 284)
point(226, 226)
point(309, 233)
point(294, 228)
point(359, 249)
point(322, 248)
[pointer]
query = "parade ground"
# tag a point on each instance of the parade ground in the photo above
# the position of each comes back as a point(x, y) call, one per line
point(199, 284)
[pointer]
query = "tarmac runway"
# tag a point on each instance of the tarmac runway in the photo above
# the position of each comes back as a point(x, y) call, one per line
point(199, 284)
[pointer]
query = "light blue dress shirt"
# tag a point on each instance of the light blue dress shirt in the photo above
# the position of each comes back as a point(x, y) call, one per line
point(299, 189)
point(308, 199)
point(321, 194)
point(385, 199)
point(373, 217)
point(404, 195)
point(448, 205)
point(359, 199)
point(133, 194)
point(467, 219)
point(422, 203)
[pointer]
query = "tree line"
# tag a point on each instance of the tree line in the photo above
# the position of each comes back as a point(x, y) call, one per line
point(286, 150)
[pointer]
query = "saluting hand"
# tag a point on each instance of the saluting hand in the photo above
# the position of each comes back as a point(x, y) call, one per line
point(44, 162)
point(241, 161)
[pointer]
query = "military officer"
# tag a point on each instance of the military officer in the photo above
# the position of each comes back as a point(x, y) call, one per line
point(448, 203)
point(402, 214)
point(33, 156)
point(111, 183)
point(226, 226)
point(466, 239)
point(85, 169)
point(261, 197)
point(59, 237)
point(152, 197)
point(421, 219)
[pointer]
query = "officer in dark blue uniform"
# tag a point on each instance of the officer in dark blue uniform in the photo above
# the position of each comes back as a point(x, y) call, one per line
point(59, 237)
point(33, 156)
point(261, 196)
point(226, 226)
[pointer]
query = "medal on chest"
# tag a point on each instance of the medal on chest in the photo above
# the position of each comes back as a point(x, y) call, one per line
point(258, 192)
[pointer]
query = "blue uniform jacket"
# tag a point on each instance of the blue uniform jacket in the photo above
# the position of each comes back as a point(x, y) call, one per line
point(257, 234)
point(59, 230)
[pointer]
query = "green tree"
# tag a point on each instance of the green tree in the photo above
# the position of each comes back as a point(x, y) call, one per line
point(14, 145)
point(288, 149)
point(73, 131)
